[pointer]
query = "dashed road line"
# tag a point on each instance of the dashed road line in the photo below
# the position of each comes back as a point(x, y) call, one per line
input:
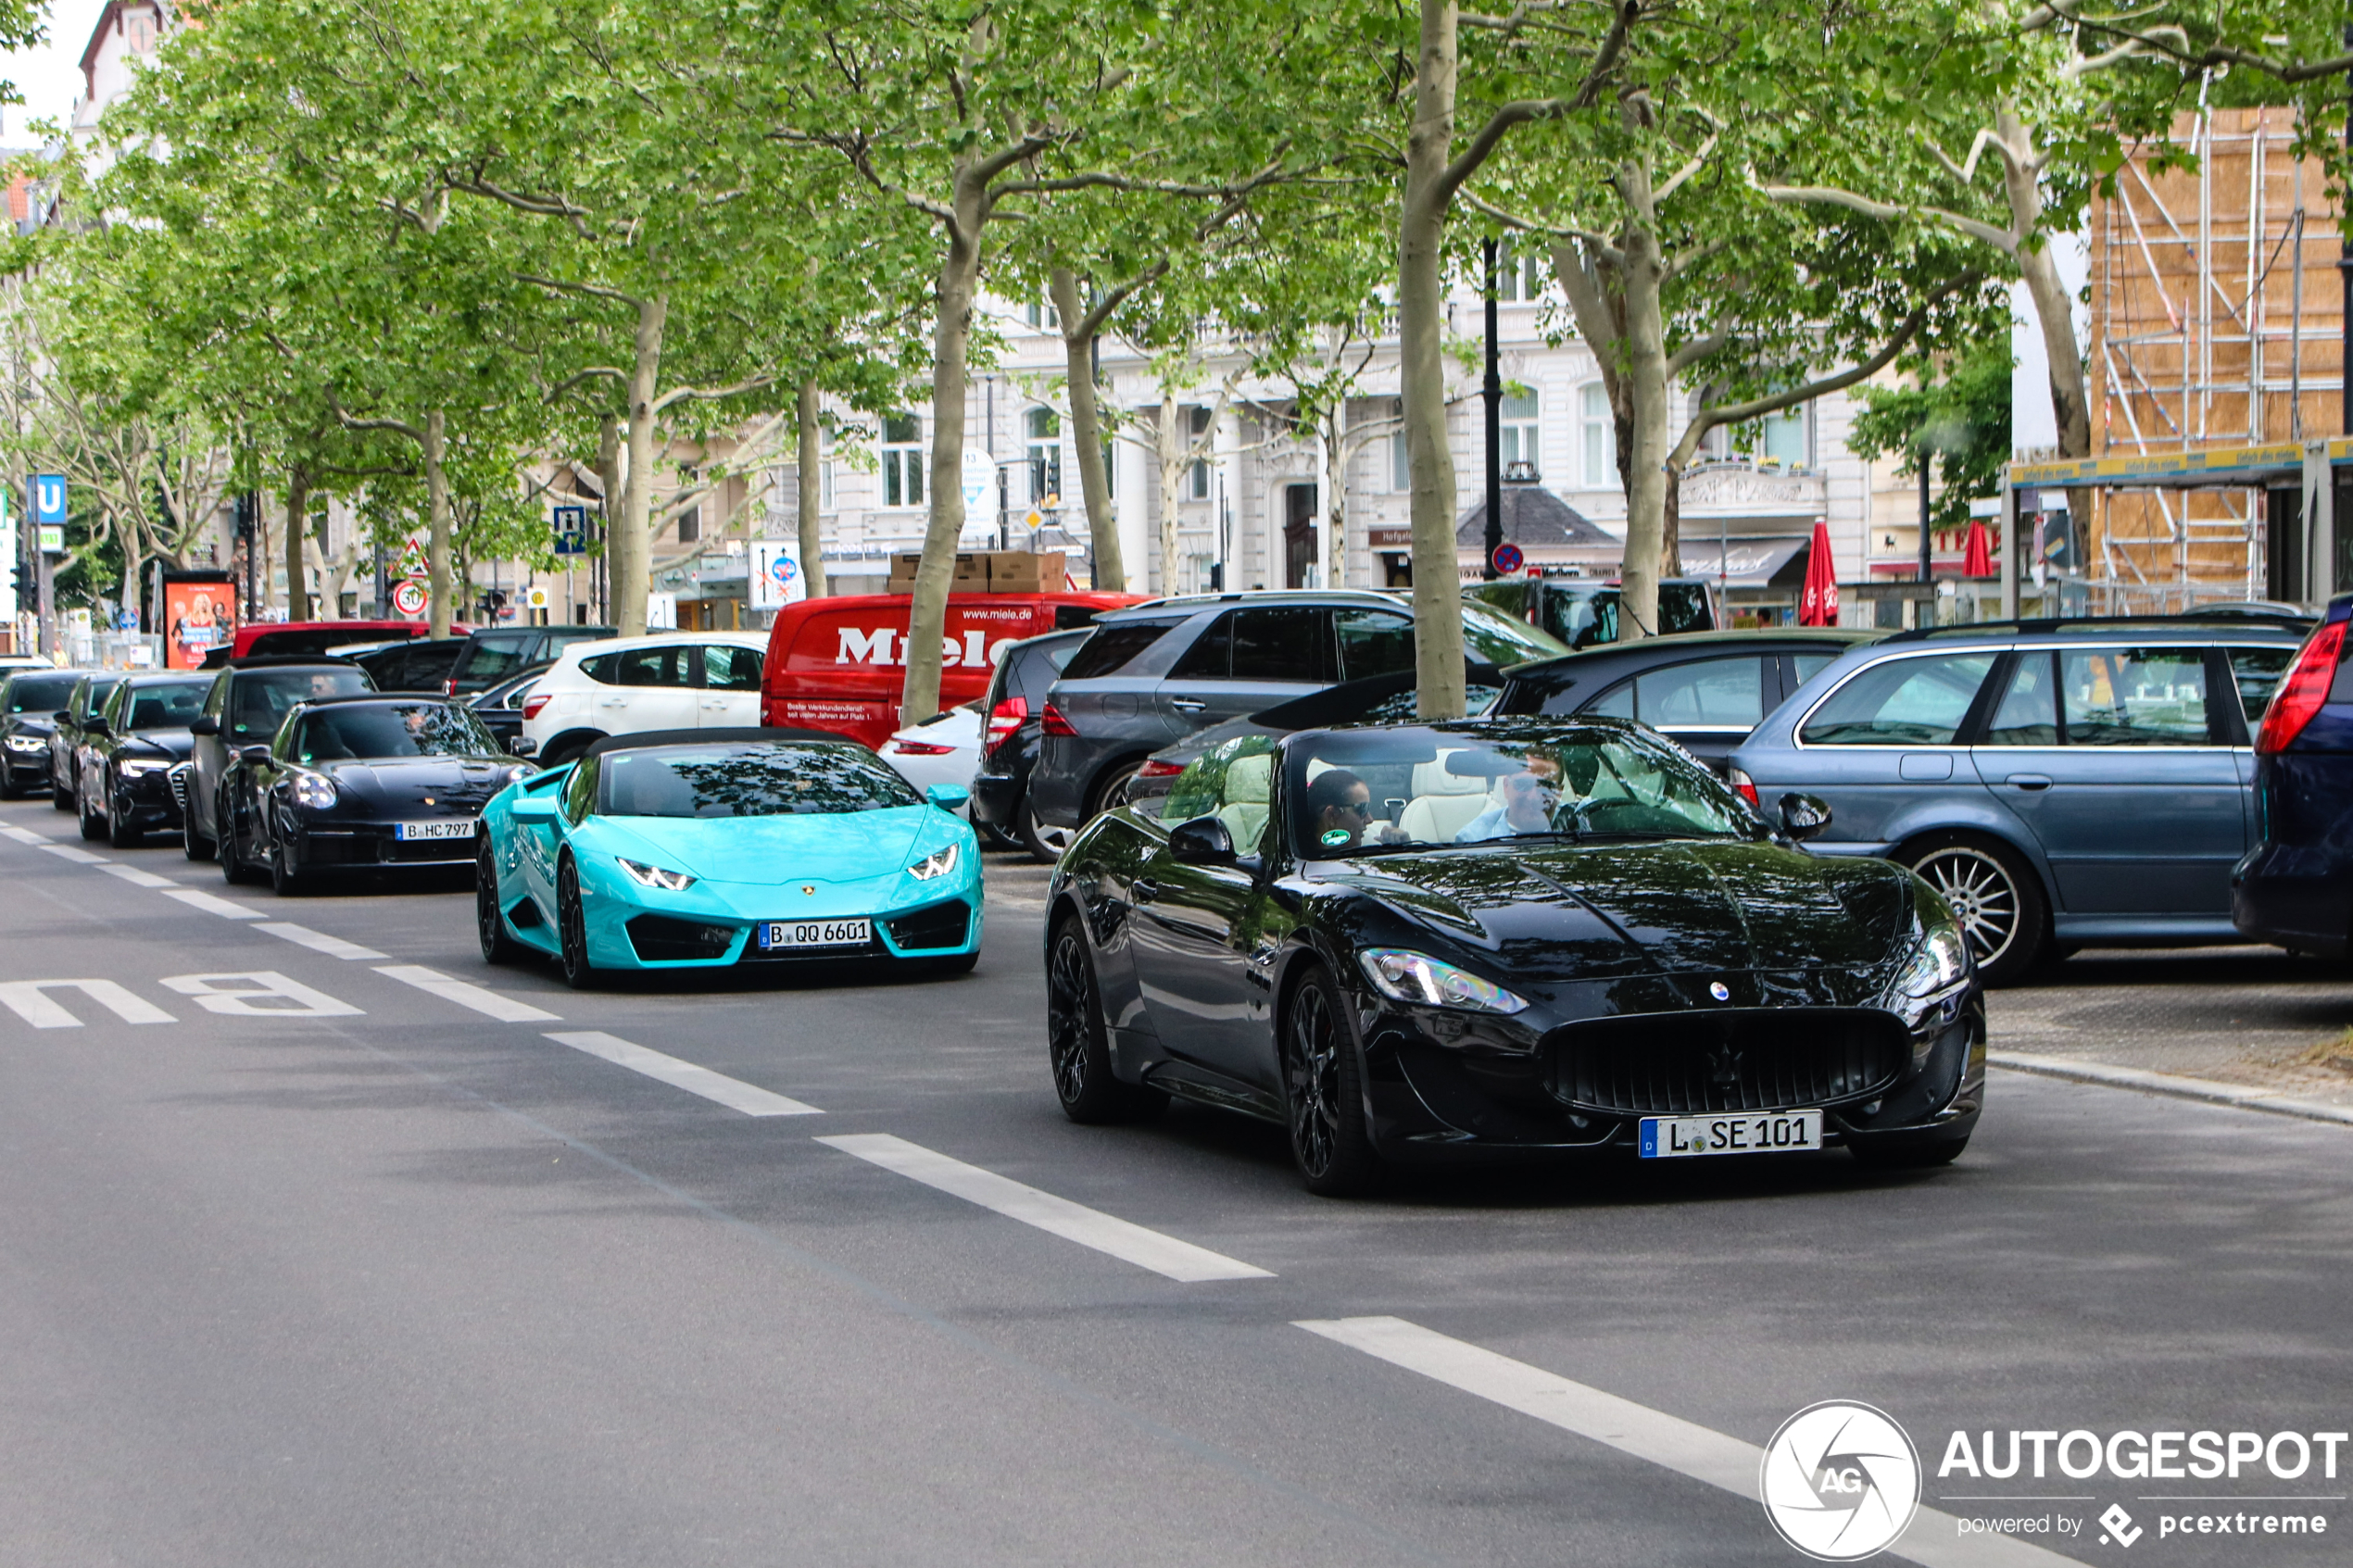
point(1058, 1216)
point(75, 853)
point(734, 1093)
point(1933, 1540)
point(211, 905)
point(134, 876)
point(23, 835)
point(490, 1004)
point(317, 941)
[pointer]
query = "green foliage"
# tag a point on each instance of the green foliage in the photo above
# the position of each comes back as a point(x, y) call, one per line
point(1961, 420)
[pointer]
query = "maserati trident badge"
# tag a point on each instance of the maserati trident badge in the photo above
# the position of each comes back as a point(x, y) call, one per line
point(1720, 991)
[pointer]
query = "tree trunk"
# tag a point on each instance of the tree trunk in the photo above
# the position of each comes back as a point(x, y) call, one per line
point(811, 492)
point(629, 548)
point(1169, 457)
point(1087, 429)
point(1647, 478)
point(1335, 497)
point(1421, 290)
point(437, 615)
point(2054, 310)
point(298, 529)
point(927, 614)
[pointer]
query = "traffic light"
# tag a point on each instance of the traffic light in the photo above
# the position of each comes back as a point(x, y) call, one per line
point(21, 583)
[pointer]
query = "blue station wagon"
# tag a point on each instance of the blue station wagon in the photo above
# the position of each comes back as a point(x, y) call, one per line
point(2060, 783)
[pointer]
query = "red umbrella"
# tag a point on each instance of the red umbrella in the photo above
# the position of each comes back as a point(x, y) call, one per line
point(1819, 605)
point(1977, 556)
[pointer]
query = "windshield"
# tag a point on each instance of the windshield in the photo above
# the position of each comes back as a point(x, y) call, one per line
point(384, 731)
point(1364, 791)
point(39, 693)
point(167, 708)
point(262, 698)
point(760, 778)
point(1494, 638)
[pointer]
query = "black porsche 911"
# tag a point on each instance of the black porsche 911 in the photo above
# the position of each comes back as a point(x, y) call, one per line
point(373, 781)
point(1505, 937)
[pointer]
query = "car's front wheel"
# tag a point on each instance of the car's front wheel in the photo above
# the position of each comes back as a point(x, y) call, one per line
point(1078, 1044)
point(490, 925)
point(93, 826)
point(1324, 1092)
point(1111, 788)
point(194, 845)
point(60, 795)
point(1994, 895)
point(571, 928)
point(1044, 841)
point(121, 829)
point(286, 875)
point(233, 865)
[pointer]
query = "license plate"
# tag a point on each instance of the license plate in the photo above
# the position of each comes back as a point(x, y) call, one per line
point(816, 933)
point(449, 827)
point(1777, 1132)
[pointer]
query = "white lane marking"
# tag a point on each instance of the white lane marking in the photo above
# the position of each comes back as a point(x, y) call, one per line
point(490, 1004)
point(212, 906)
point(240, 996)
point(1933, 1540)
point(75, 853)
point(29, 999)
point(1072, 1222)
point(136, 877)
point(317, 941)
point(24, 835)
point(733, 1093)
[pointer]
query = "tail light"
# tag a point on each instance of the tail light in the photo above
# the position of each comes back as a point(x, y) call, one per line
point(919, 748)
point(2301, 694)
point(1154, 768)
point(1746, 785)
point(1003, 720)
point(1053, 723)
point(533, 703)
point(449, 686)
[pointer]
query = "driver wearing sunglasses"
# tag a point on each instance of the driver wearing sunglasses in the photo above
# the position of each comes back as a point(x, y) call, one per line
point(1529, 798)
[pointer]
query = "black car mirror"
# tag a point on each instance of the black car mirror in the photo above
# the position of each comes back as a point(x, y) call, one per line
point(204, 724)
point(1804, 816)
point(253, 754)
point(63, 716)
point(1201, 842)
point(523, 745)
point(94, 725)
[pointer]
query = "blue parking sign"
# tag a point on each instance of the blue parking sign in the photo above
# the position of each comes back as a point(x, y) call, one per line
point(572, 531)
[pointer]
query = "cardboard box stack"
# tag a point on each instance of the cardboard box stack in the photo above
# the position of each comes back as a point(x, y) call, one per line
point(989, 572)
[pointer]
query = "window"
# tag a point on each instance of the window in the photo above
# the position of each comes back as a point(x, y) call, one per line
point(1292, 643)
point(1373, 642)
point(1041, 314)
point(1711, 694)
point(392, 730)
point(727, 668)
point(1812, 664)
point(166, 707)
point(2258, 671)
point(1520, 427)
point(760, 778)
point(580, 790)
point(1601, 434)
point(2133, 696)
point(664, 666)
point(1400, 466)
point(1782, 438)
point(1902, 702)
point(1043, 429)
point(902, 460)
point(1112, 648)
point(691, 525)
point(1519, 279)
point(2029, 714)
point(1197, 424)
point(260, 698)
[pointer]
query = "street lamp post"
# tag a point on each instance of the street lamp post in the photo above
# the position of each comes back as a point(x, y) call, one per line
point(1494, 394)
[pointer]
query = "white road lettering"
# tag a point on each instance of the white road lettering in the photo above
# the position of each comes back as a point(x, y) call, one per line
point(259, 994)
point(134, 876)
point(1059, 1216)
point(317, 941)
point(30, 1000)
point(731, 1092)
point(212, 906)
point(1685, 1446)
point(490, 1004)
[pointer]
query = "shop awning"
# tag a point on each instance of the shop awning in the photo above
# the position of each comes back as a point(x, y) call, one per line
point(1748, 563)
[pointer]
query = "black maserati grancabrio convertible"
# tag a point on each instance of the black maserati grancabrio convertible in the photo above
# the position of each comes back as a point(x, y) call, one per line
point(1512, 937)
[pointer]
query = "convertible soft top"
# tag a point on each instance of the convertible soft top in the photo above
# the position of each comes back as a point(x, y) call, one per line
point(646, 740)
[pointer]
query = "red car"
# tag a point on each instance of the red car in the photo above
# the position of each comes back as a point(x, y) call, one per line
point(312, 638)
point(839, 664)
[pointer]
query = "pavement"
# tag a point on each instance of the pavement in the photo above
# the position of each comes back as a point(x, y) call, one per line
point(323, 1243)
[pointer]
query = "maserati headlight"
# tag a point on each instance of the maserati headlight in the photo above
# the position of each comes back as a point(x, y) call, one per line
point(1406, 976)
point(938, 863)
point(27, 743)
point(655, 876)
point(1939, 963)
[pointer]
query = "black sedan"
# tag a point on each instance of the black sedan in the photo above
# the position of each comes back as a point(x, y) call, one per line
point(1447, 941)
point(129, 750)
point(30, 700)
point(69, 740)
point(373, 781)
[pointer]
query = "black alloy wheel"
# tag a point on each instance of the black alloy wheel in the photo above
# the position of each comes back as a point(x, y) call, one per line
point(233, 865)
point(489, 924)
point(93, 827)
point(194, 845)
point(1044, 841)
point(1078, 1044)
point(1997, 898)
point(1111, 788)
point(571, 928)
point(122, 831)
point(60, 797)
point(1324, 1092)
point(286, 876)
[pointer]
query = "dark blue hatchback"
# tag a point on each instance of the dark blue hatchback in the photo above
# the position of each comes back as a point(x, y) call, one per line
point(2296, 886)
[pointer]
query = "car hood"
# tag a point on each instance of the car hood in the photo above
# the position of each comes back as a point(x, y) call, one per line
point(454, 785)
point(26, 724)
point(177, 745)
point(1562, 912)
point(828, 847)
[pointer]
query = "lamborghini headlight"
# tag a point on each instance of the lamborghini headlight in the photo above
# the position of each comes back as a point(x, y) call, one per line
point(314, 792)
point(1939, 963)
point(645, 875)
point(1405, 976)
point(938, 863)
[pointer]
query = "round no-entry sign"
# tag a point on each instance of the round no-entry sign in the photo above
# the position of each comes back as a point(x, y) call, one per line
point(1508, 559)
point(409, 598)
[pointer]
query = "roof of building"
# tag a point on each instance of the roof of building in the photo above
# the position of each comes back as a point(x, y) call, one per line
point(1532, 515)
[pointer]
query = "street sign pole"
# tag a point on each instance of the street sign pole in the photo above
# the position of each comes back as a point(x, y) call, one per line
point(49, 541)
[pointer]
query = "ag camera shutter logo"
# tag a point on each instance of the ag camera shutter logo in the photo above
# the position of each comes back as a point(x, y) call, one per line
point(1841, 1481)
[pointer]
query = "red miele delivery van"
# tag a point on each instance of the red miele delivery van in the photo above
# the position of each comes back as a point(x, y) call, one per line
point(841, 664)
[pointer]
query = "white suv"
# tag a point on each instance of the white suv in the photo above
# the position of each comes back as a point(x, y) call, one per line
point(629, 685)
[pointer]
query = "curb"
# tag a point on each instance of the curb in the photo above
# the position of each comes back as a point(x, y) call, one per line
point(2204, 1089)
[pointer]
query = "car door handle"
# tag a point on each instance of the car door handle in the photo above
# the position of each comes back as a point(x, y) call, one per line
point(2034, 784)
point(1187, 704)
point(1145, 889)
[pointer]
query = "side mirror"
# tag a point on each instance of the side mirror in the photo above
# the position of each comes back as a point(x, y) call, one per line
point(94, 725)
point(254, 754)
point(523, 745)
point(1201, 842)
point(1804, 816)
point(63, 716)
point(204, 724)
point(948, 796)
point(534, 809)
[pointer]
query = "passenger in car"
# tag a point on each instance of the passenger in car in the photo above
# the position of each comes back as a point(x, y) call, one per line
point(1531, 796)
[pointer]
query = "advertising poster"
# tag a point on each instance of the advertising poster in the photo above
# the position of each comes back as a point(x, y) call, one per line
point(197, 617)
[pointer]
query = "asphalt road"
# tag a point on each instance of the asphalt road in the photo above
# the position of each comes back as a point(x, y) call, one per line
point(393, 1281)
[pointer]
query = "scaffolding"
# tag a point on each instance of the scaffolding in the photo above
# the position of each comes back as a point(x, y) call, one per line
point(2216, 322)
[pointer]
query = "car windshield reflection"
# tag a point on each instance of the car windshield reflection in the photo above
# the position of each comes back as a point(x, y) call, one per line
point(756, 780)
